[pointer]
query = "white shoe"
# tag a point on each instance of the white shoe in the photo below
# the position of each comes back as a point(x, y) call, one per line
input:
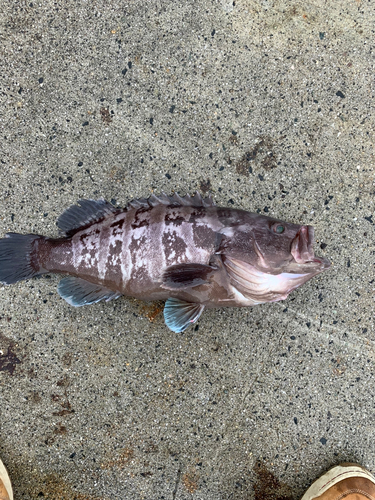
point(345, 481)
point(6, 492)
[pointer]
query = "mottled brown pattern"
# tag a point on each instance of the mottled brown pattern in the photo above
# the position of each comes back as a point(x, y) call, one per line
point(118, 226)
point(173, 218)
point(141, 218)
point(198, 213)
point(136, 244)
point(174, 247)
point(204, 237)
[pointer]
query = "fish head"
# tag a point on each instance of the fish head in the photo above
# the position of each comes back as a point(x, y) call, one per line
point(269, 258)
point(285, 247)
point(274, 246)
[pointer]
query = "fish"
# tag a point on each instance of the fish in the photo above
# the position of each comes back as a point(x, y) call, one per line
point(184, 250)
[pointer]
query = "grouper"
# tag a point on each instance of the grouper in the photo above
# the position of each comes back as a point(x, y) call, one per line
point(184, 250)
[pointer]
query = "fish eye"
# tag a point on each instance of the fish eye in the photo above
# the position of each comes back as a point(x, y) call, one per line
point(279, 229)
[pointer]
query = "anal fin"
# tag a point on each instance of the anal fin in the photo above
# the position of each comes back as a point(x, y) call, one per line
point(78, 292)
point(179, 314)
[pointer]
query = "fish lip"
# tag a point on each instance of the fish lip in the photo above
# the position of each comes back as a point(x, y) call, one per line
point(302, 248)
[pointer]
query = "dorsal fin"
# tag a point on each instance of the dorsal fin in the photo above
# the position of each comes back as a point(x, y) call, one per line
point(83, 214)
point(176, 200)
point(87, 212)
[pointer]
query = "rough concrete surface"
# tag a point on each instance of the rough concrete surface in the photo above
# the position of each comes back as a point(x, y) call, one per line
point(269, 106)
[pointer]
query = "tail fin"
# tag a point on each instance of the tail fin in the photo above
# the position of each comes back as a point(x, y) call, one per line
point(18, 257)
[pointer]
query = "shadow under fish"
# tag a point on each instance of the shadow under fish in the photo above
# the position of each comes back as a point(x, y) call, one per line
point(184, 250)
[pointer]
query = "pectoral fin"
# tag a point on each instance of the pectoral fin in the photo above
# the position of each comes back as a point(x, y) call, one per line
point(186, 276)
point(78, 292)
point(178, 314)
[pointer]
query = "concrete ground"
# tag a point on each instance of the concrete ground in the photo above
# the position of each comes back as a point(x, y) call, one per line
point(269, 106)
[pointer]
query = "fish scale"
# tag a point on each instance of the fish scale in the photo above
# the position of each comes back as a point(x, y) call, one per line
point(184, 250)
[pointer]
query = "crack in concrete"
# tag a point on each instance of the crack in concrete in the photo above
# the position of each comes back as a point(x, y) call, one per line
point(178, 478)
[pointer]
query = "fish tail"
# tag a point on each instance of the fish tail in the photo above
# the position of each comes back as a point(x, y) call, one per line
point(19, 257)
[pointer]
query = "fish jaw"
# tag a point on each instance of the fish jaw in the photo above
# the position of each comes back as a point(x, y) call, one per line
point(302, 252)
point(254, 286)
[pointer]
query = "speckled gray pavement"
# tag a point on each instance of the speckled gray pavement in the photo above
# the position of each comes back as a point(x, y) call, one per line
point(267, 105)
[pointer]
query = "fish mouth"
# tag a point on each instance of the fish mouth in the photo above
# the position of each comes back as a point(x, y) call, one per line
point(302, 249)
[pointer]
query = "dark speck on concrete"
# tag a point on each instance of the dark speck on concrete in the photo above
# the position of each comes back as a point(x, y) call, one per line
point(261, 177)
point(172, 108)
point(340, 94)
point(323, 440)
point(105, 115)
point(8, 361)
point(168, 176)
point(41, 80)
point(321, 35)
point(205, 186)
point(84, 124)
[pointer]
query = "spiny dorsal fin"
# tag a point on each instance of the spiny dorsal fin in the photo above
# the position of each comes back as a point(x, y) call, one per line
point(176, 200)
point(83, 214)
point(87, 212)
